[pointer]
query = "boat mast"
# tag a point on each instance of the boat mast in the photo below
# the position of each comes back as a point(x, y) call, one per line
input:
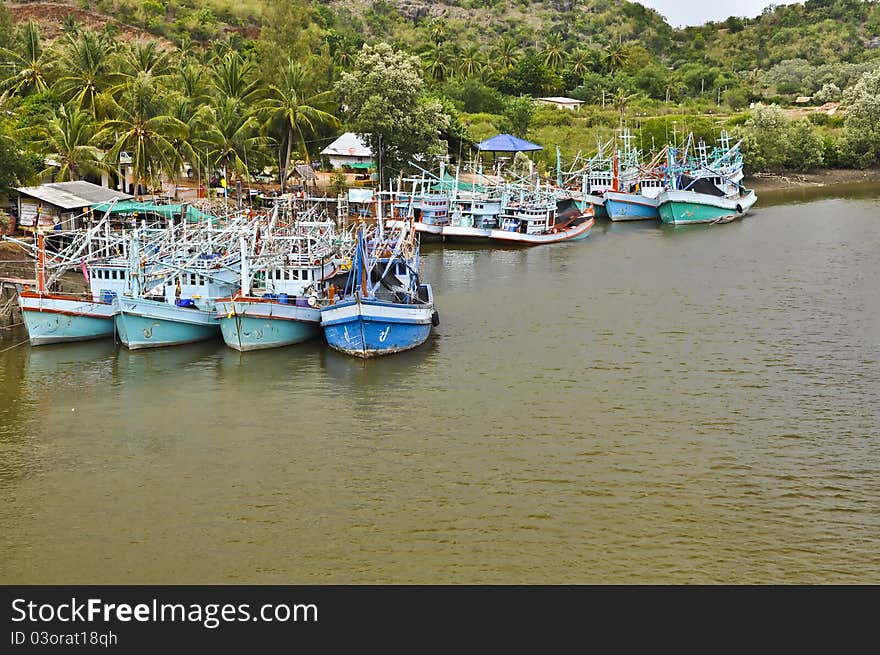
point(41, 261)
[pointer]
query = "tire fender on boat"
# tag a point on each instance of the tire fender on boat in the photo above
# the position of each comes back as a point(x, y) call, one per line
point(739, 209)
point(435, 318)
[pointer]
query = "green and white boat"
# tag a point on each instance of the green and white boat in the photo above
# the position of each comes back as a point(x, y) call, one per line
point(710, 191)
point(684, 207)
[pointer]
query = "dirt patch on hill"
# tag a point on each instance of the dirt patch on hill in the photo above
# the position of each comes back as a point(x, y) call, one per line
point(50, 17)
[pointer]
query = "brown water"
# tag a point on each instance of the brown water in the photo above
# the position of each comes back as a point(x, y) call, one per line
point(652, 405)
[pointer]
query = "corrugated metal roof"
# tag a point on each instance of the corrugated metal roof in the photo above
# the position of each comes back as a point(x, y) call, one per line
point(349, 144)
point(305, 171)
point(72, 195)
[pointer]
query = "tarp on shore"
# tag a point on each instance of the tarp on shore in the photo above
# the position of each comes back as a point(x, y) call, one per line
point(132, 207)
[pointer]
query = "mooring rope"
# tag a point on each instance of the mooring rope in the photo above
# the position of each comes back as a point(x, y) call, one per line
point(20, 343)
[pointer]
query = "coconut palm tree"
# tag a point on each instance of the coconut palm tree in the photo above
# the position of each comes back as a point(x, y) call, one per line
point(470, 61)
point(189, 81)
point(85, 63)
point(505, 54)
point(438, 30)
point(437, 61)
point(146, 57)
point(231, 134)
point(235, 77)
point(69, 138)
point(142, 126)
point(33, 64)
point(554, 51)
point(580, 61)
point(291, 103)
point(190, 143)
point(615, 56)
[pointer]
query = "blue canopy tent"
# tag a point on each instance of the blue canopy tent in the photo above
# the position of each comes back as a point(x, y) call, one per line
point(507, 143)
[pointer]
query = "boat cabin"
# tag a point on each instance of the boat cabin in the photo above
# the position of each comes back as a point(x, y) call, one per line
point(108, 280)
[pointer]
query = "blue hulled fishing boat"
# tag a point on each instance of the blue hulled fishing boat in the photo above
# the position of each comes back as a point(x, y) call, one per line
point(384, 308)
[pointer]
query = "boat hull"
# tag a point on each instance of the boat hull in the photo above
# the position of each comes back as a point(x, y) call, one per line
point(254, 324)
point(57, 318)
point(428, 231)
point(630, 206)
point(594, 201)
point(689, 207)
point(573, 233)
point(153, 324)
point(369, 328)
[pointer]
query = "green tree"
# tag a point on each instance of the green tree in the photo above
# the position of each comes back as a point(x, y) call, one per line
point(470, 61)
point(291, 104)
point(32, 64)
point(764, 144)
point(518, 115)
point(615, 56)
point(85, 65)
point(289, 31)
point(18, 164)
point(437, 59)
point(860, 142)
point(384, 97)
point(141, 125)
point(69, 139)
point(235, 77)
point(505, 54)
point(232, 136)
point(554, 51)
point(804, 146)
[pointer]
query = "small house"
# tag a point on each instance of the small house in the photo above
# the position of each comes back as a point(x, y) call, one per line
point(61, 203)
point(349, 150)
point(561, 102)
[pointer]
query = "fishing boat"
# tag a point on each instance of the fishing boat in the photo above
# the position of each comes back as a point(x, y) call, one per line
point(384, 308)
point(175, 304)
point(711, 190)
point(704, 202)
point(634, 194)
point(281, 287)
point(51, 316)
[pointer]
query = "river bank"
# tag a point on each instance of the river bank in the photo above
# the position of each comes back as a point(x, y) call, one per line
point(819, 178)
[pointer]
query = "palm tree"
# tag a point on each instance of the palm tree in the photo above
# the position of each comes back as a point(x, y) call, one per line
point(291, 103)
point(470, 61)
point(194, 117)
point(554, 51)
point(580, 61)
point(189, 81)
point(438, 30)
point(33, 64)
point(615, 56)
point(142, 127)
point(436, 58)
point(86, 65)
point(236, 77)
point(69, 136)
point(231, 134)
point(506, 54)
point(146, 57)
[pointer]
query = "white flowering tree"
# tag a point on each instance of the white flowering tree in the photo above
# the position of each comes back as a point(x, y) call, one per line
point(384, 100)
